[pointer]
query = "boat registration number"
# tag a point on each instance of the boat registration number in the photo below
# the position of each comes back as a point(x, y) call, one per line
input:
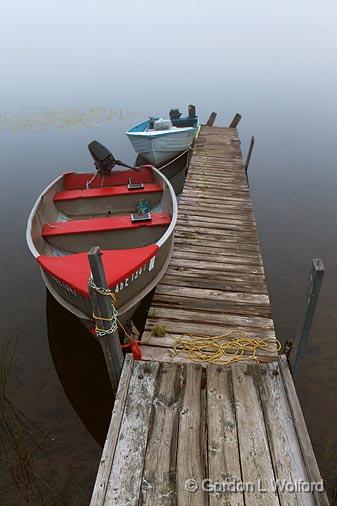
point(135, 275)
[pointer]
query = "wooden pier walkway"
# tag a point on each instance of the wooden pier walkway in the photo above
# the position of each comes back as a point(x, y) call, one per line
point(215, 282)
point(209, 434)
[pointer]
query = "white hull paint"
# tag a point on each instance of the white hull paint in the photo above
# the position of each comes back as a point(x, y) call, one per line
point(159, 148)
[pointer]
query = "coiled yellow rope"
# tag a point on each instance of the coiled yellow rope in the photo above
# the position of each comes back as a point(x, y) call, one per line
point(224, 348)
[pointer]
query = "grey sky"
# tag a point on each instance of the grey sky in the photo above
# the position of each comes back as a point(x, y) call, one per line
point(60, 51)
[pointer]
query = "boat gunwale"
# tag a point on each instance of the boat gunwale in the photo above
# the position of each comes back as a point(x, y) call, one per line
point(32, 213)
point(157, 133)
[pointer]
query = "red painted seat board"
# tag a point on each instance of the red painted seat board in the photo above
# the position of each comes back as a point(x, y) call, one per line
point(106, 224)
point(74, 270)
point(109, 191)
point(78, 180)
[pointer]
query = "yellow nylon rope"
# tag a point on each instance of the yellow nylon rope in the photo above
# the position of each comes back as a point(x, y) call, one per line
point(96, 317)
point(224, 348)
point(221, 349)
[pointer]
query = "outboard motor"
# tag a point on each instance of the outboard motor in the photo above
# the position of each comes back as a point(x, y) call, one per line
point(104, 159)
point(174, 114)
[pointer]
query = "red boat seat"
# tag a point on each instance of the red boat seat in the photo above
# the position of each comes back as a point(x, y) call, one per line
point(74, 270)
point(106, 224)
point(109, 191)
point(78, 180)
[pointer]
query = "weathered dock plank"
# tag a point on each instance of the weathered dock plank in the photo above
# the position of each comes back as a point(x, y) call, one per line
point(124, 488)
point(108, 454)
point(159, 484)
point(255, 457)
point(191, 456)
point(223, 440)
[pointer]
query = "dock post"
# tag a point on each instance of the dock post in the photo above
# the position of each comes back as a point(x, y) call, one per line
point(235, 121)
point(191, 111)
point(250, 150)
point(102, 308)
point(302, 337)
point(211, 119)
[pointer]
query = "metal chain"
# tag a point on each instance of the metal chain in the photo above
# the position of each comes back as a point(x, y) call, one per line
point(102, 291)
point(105, 332)
point(114, 322)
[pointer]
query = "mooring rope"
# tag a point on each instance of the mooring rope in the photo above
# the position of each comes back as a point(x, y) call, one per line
point(224, 348)
point(176, 158)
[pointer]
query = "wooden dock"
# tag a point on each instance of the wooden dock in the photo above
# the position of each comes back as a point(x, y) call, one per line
point(215, 282)
point(209, 433)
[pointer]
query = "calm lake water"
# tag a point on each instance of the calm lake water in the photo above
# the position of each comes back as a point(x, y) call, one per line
point(85, 82)
point(60, 382)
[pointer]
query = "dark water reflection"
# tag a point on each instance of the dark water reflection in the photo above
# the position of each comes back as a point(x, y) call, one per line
point(80, 366)
point(63, 386)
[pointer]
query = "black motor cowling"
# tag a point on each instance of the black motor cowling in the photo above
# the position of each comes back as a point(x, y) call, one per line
point(103, 158)
point(175, 114)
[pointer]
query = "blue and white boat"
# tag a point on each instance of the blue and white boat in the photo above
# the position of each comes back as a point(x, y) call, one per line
point(161, 140)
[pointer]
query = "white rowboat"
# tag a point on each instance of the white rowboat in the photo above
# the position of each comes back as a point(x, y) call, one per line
point(159, 145)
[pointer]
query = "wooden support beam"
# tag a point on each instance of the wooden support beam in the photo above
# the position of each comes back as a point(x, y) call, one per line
point(302, 337)
point(235, 121)
point(102, 308)
point(250, 150)
point(211, 119)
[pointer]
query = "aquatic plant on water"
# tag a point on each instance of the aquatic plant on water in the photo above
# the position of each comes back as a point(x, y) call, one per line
point(21, 441)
